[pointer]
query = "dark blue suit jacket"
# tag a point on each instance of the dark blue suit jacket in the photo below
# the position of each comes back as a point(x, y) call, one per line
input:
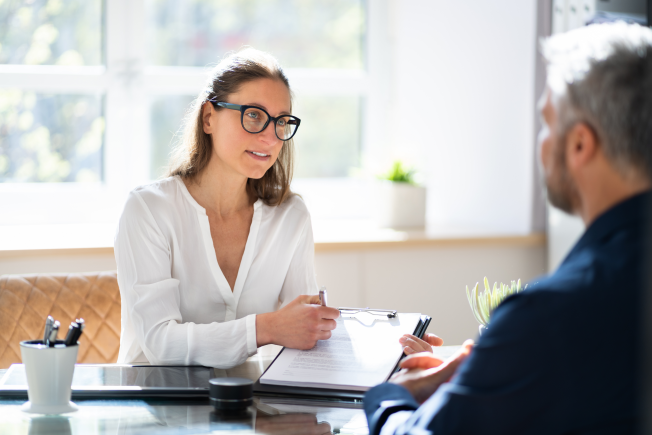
point(558, 358)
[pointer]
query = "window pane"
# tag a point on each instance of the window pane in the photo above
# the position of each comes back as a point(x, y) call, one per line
point(328, 140)
point(51, 32)
point(300, 33)
point(50, 138)
point(166, 117)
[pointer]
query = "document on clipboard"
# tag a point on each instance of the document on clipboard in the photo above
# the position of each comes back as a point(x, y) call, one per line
point(362, 352)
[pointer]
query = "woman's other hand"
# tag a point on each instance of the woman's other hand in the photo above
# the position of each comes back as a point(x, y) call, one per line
point(298, 325)
point(412, 344)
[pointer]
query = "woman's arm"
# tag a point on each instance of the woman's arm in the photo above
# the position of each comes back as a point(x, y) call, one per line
point(300, 278)
point(152, 301)
point(300, 321)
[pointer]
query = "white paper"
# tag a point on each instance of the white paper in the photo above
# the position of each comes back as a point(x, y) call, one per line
point(361, 353)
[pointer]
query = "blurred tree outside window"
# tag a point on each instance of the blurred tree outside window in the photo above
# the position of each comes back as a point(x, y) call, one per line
point(324, 34)
point(51, 137)
point(299, 33)
point(59, 136)
point(51, 32)
point(166, 114)
point(328, 142)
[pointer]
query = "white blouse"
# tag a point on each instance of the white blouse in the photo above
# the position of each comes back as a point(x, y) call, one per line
point(177, 306)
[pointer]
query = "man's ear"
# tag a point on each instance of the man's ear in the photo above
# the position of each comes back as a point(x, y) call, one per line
point(581, 146)
point(206, 112)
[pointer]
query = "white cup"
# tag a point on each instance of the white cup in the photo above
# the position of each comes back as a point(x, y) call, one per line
point(49, 373)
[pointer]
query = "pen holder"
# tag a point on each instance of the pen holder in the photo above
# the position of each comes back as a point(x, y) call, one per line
point(49, 373)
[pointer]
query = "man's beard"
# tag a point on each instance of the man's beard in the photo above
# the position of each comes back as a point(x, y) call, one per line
point(561, 189)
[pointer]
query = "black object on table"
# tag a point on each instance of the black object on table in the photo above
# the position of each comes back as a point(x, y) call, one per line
point(231, 394)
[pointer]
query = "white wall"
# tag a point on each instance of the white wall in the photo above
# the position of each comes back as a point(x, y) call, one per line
point(464, 77)
point(425, 280)
point(428, 280)
point(57, 261)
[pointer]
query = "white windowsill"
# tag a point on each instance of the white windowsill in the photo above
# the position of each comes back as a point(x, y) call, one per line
point(330, 235)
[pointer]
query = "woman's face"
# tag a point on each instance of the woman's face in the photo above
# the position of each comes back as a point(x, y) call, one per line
point(233, 147)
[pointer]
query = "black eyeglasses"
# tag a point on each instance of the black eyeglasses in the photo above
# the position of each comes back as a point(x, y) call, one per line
point(255, 120)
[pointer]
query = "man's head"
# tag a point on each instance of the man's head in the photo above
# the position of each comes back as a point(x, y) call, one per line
point(597, 112)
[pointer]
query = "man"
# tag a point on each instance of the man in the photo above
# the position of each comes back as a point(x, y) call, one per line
point(561, 357)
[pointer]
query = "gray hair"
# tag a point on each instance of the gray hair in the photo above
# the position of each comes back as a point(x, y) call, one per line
point(602, 75)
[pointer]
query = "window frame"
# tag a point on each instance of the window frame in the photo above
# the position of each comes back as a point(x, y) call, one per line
point(128, 85)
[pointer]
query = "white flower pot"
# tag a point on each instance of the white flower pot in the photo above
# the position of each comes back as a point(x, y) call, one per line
point(400, 205)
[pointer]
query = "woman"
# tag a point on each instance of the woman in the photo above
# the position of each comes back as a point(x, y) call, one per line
point(217, 259)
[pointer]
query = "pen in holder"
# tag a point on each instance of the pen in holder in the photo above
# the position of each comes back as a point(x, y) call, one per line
point(49, 366)
point(49, 369)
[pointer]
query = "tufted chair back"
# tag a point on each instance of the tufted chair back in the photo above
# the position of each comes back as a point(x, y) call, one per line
point(27, 300)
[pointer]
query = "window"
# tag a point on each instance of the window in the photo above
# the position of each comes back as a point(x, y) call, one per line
point(45, 136)
point(92, 93)
point(324, 37)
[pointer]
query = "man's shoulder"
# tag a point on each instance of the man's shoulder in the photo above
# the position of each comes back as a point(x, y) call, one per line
point(602, 279)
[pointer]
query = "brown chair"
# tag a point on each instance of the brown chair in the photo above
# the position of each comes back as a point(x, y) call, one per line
point(27, 300)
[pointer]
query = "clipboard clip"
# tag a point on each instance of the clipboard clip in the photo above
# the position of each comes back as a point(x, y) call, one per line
point(375, 312)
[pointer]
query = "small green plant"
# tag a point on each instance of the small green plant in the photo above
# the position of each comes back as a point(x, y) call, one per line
point(399, 173)
point(484, 303)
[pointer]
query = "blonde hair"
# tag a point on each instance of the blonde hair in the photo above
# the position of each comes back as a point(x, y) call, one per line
point(193, 152)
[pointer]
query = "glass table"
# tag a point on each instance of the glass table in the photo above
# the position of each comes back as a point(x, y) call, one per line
point(267, 415)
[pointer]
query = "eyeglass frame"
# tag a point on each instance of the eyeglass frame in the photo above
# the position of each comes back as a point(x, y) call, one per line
point(242, 108)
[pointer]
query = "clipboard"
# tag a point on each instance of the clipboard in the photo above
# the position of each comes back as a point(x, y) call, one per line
point(328, 394)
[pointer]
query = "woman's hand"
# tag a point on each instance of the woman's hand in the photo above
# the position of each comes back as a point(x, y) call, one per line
point(412, 344)
point(298, 325)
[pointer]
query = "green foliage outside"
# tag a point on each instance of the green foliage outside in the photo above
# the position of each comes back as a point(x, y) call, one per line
point(50, 138)
point(55, 138)
point(300, 33)
point(51, 32)
point(46, 137)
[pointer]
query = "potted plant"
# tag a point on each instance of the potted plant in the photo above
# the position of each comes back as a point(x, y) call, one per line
point(484, 303)
point(401, 201)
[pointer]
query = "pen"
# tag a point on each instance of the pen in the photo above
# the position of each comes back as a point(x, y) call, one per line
point(52, 339)
point(323, 297)
point(78, 331)
point(48, 325)
point(72, 331)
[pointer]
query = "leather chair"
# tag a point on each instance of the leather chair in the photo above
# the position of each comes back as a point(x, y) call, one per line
point(27, 300)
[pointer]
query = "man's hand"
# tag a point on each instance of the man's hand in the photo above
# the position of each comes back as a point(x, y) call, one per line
point(298, 325)
point(421, 374)
point(412, 344)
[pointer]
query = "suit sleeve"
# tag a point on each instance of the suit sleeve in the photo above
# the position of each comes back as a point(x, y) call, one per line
point(503, 387)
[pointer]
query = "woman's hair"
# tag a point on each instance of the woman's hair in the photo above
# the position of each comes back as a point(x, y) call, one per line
point(192, 153)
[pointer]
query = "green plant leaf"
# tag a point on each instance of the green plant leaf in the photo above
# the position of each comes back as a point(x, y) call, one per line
point(483, 303)
point(399, 173)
